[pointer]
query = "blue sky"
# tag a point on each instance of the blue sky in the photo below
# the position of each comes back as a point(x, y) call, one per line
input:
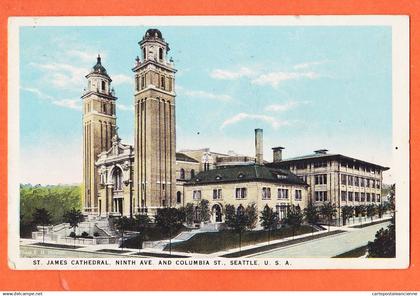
point(308, 87)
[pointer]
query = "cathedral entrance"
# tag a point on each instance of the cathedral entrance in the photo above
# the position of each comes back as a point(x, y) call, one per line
point(217, 213)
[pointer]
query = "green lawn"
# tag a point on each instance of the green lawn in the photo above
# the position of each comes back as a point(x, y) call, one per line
point(210, 242)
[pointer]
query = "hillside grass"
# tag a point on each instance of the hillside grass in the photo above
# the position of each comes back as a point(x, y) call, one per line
point(210, 242)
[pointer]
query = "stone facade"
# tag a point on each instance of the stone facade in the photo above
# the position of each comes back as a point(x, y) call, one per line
point(246, 184)
point(116, 169)
point(336, 178)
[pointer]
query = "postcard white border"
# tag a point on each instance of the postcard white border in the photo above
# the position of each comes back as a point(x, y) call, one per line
point(400, 117)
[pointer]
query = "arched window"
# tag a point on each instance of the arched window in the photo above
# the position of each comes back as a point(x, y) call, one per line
point(143, 81)
point(182, 174)
point(178, 197)
point(217, 213)
point(103, 85)
point(117, 178)
point(137, 84)
point(144, 52)
point(160, 54)
point(192, 174)
point(240, 211)
point(162, 82)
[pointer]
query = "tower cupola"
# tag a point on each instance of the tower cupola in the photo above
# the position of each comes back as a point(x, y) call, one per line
point(154, 46)
point(98, 79)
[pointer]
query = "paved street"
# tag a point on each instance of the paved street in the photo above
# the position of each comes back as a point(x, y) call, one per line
point(327, 247)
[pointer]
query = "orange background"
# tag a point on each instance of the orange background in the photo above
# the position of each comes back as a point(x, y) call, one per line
point(213, 280)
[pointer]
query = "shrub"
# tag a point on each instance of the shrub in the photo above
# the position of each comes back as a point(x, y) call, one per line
point(96, 234)
point(72, 234)
point(85, 234)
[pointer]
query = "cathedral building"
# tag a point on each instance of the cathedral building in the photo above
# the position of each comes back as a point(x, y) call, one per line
point(125, 180)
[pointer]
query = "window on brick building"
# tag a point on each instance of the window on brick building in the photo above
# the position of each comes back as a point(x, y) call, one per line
point(240, 193)
point(298, 194)
point(196, 194)
point(343, 179)
point(217, 193)
point(320, 179)
point(320, 195)
point(343, 195)
point(266, 192)
point(282, 193)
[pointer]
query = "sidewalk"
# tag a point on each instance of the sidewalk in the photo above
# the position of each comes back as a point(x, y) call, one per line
point(113, 249)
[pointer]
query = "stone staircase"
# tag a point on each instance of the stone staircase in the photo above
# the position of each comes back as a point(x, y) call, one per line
point(60, 232)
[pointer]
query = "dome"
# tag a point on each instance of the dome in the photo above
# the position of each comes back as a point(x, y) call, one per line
point(153, 33)
point(98, 68)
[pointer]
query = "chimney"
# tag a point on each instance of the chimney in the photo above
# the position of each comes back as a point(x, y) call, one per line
point(277, 154)
point(321, 151)
point(259, 146)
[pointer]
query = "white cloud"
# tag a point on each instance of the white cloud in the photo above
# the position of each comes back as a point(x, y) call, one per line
point(307, 65)
point(36, 92)
point(118, 79)
point(64, 76)
point(66, 103)
point(205, 95)
point(274, 78)
point(281, 107)
point(125, 107)
point(275, 123)
point(232, 75)
point(284, 107)
point(88, 56)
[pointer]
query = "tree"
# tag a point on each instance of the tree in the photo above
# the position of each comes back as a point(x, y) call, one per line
point(380, 209)
point(189, 213)
point(269, 220)
point(56, 199)
point(311, 214)
point(203, 208)
point(74, 217)
point(391, 198)
point(252, 216)
point(142, 223)
point(294, 218)
point(237, 220)
point(43, 218)
point(384, 244)
point(169, 219)
point(346, 213)
point(124, 223)
point(363, 210)
point(358, 211)
point(328, 211)
point(371, 211)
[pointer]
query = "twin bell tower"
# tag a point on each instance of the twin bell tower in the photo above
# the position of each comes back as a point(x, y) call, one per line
point(154, 128)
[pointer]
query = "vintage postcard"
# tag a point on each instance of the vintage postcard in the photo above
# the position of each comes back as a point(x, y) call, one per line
point(249, 142)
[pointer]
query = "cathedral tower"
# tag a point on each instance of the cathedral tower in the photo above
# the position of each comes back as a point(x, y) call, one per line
point(154, 141)
point(99, 122)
